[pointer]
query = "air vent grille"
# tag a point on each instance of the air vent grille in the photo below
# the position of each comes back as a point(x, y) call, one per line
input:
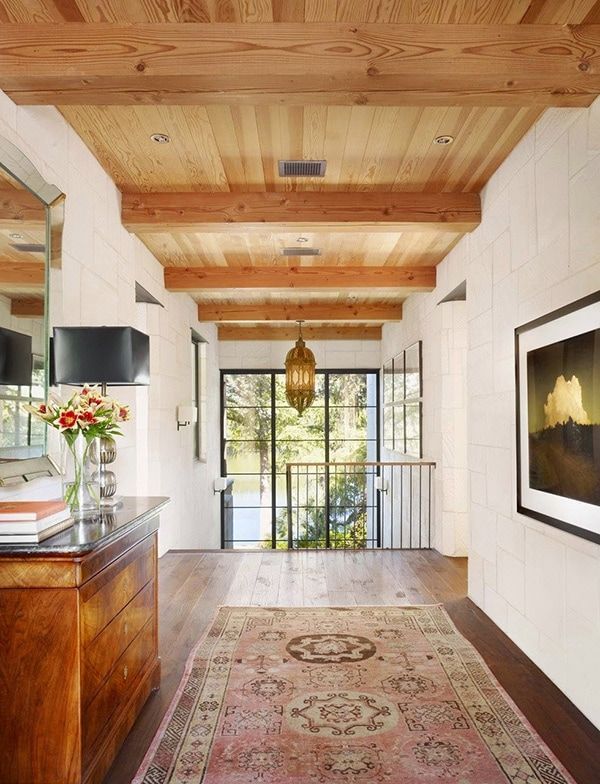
point(302, 168)
point(28, 247)
point(301, 251)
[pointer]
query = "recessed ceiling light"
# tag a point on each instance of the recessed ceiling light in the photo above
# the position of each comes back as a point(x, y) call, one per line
point(443, 140)
point(160, 138)
point(15, 236)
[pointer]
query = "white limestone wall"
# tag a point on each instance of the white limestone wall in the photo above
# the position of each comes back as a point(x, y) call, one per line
point(443, 332)
point(270, 354)
point(101, 262)
point(537, 249)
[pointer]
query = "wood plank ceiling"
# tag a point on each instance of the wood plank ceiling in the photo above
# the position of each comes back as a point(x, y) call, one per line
point(234, 147)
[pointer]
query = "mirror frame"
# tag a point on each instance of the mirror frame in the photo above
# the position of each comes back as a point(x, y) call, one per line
point(18, 166)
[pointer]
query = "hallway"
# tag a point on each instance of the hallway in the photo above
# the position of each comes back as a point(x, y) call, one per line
point(194, 583)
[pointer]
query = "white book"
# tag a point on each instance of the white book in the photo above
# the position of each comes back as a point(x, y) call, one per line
point(36, 538)
point(9, 527)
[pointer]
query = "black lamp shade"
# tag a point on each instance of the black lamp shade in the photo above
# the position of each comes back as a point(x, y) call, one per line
point(101, 355)
point(16, 359)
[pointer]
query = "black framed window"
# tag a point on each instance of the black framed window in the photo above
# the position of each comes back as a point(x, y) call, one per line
point(403, 402)
point(198, 348)
point(261, 434)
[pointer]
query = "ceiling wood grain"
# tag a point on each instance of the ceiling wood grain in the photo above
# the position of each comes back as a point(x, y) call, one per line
point(283, 332)
point(302, 211)
point(313, 311)
point(379, 64)
point(199, 278)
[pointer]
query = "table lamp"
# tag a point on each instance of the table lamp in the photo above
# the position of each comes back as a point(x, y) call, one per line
point(116, 356)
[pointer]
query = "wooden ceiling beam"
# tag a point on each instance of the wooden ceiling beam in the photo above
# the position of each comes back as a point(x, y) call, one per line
point(29, 307)
point(269, 332)
point(20, 210)
point(28, 274)
point(281, 278)
point(300, 211)
point(313, 311)
point(297, 63)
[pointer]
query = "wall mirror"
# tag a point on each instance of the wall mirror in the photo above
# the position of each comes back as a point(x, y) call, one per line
point(31, 217)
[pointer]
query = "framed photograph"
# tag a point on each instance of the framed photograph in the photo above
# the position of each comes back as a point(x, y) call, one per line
point(558, 418)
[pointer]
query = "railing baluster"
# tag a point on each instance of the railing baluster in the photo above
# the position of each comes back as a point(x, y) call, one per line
point(288, 493)
point(360, 504)
point(420, 521)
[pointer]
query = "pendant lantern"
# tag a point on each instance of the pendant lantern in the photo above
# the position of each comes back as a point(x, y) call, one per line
point(300, 375)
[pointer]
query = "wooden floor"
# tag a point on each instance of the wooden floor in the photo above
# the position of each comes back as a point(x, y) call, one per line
point(194, 584)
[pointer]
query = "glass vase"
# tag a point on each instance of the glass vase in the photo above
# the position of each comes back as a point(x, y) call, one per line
point(81, 488)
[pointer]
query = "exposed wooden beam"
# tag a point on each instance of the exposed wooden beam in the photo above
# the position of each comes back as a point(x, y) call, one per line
point(27, 306)
point(267, 332)
point(281, 278)
point(20, 210)
point(301, 211)
point(331, 63)
point(313, 311)
point(26, 274)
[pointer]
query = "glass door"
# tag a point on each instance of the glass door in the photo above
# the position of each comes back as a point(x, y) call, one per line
point(261, 434)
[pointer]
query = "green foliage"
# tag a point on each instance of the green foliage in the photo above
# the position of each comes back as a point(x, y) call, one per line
point(347, 515)
point(249, 422)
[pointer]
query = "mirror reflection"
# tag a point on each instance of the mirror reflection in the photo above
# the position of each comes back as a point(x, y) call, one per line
point(22, 318)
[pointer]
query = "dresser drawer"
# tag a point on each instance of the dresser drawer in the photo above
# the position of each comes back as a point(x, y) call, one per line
point(101, 654)
point(115, 691)
point(106, 594)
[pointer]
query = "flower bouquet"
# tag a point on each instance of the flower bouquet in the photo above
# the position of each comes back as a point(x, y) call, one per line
point(85, 419)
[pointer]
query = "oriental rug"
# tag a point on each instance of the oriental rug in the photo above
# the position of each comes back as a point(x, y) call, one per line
point(352, 695)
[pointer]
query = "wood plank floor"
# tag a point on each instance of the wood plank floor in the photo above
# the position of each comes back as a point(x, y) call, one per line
point(193, 584)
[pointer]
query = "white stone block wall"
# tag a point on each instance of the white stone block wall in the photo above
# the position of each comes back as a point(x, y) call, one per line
point(270, 354)
point(537, 249)
point(101, 262)
point(442, 329)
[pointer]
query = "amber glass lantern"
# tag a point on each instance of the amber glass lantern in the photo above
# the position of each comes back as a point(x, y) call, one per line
point(300, 375)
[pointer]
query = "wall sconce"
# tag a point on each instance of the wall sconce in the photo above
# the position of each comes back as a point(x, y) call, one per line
point(220, 485)
point(186, 414)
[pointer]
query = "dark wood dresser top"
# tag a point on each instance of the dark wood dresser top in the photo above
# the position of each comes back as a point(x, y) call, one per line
point(92, 533)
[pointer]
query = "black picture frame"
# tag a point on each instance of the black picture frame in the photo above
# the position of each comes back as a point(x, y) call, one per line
point(583, 314)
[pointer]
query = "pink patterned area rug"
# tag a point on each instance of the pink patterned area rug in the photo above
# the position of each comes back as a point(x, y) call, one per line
point(358, 695)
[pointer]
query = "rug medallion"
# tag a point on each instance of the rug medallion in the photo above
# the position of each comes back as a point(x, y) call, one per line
point(342, 695)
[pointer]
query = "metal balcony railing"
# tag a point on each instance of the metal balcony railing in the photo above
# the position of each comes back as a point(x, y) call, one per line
point(360, 505)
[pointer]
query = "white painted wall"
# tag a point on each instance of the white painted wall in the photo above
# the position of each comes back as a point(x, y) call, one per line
point(537, 249)
point(270, 354)
point(101, 262)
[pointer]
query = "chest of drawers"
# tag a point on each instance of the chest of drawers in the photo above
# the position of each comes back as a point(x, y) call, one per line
point(78, 650)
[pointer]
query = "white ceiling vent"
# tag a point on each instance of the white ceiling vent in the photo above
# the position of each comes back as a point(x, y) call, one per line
point(302, 168)
point(301, 251)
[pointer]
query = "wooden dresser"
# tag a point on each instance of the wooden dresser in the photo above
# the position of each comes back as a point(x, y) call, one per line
point(78, 645)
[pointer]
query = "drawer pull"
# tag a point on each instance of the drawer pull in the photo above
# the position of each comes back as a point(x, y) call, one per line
point(125, 672)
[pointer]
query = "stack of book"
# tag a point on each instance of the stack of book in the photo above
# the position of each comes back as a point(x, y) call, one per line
point(30, 522)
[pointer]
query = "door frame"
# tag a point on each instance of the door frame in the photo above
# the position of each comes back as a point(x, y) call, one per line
point(376, 372)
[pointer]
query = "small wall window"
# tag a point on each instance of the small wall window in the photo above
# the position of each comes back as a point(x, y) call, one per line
point(199, 395)
point(403, 402)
